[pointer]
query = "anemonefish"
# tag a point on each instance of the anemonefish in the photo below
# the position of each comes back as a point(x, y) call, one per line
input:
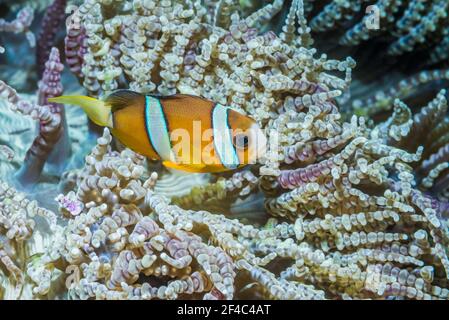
point(186, 132)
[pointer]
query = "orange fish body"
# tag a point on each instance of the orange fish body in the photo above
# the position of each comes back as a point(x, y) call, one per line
point(186, 132)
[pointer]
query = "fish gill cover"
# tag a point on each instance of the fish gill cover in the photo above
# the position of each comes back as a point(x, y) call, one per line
point(350, 200)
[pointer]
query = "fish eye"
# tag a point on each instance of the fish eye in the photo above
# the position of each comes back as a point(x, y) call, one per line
point(241, 141)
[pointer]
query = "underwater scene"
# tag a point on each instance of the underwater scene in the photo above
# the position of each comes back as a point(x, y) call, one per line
point(224, 149)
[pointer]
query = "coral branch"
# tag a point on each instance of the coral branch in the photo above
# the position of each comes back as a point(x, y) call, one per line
point(21, 24)
point(49, 134)
point(50, 25)
point(50, 86)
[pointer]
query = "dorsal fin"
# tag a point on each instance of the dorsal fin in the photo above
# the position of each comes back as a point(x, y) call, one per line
point(123, 98)
point(174, 96)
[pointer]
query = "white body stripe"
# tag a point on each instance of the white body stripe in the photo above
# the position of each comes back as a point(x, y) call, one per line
point(157, 128)
point(222, 137)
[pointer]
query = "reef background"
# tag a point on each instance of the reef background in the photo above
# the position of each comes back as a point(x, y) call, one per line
point(352, 205)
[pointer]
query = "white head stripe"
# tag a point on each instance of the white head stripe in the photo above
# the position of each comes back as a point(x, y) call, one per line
point(157, 128)
point(222, 137)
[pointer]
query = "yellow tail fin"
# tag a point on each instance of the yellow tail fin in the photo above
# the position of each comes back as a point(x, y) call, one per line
point(98, 111)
